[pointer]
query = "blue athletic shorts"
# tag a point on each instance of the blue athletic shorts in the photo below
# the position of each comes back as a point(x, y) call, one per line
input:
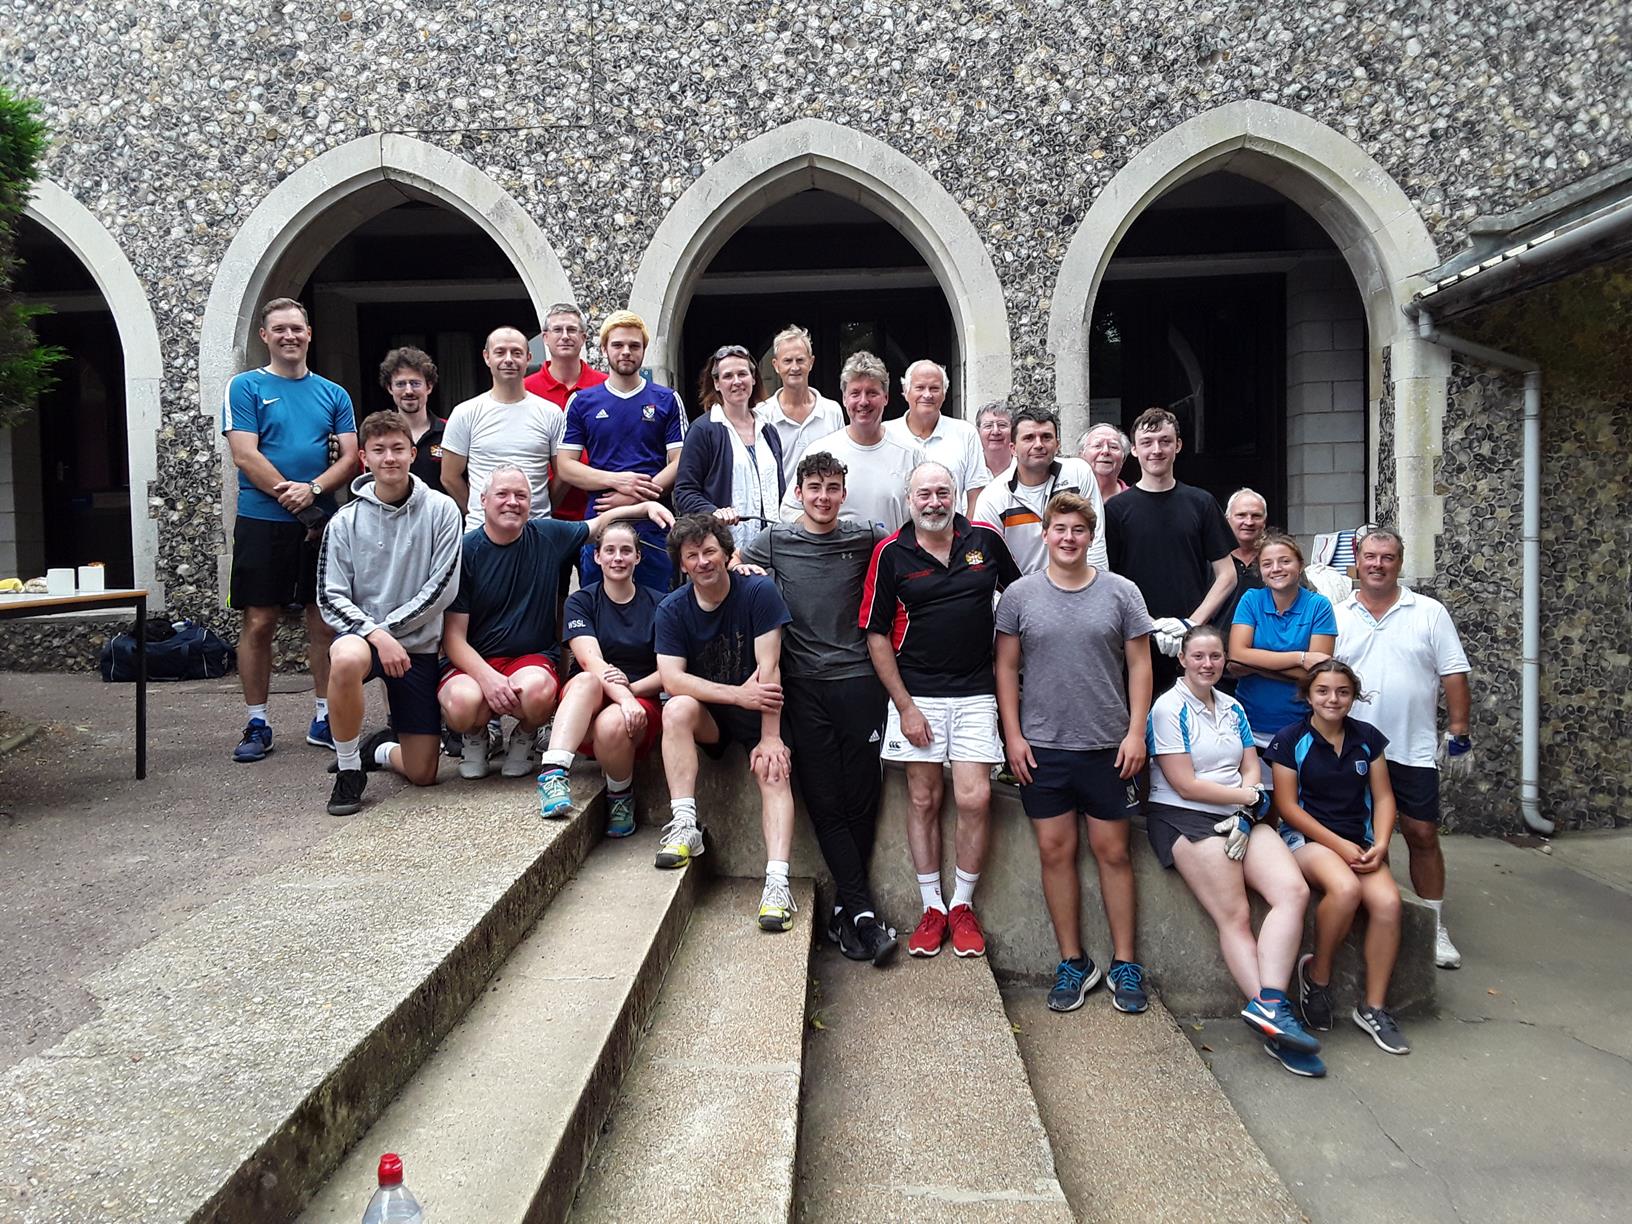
point(1085, 782)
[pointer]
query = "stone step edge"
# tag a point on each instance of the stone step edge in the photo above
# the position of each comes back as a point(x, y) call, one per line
point(294, 1161)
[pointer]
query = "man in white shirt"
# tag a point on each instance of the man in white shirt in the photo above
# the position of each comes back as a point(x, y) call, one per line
point(1015, 500)
point(1405, 649)
point(878, 461)
point(507, 424)
point(952, 443)
point(798, 412)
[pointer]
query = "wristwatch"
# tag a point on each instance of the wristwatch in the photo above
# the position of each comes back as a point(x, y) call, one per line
point(317, 490)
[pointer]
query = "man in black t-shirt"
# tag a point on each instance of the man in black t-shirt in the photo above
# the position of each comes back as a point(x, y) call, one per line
point(1171, 540)
point(409, 376)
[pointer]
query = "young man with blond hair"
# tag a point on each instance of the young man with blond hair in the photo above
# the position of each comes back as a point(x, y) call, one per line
point(797, 411)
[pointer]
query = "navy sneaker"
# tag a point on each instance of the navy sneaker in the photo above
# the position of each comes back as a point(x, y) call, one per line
point(257, 742)
point(1296, 1061)
point(1128, 987)
point(1073, 979)
point(318, 735)
point(1275, 1019)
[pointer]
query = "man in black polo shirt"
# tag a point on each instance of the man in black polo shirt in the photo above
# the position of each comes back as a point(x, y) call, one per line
point(1171, 540)
point(927, 610)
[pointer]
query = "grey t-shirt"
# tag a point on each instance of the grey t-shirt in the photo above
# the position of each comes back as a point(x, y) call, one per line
point(820, 577)
point(1071, 645)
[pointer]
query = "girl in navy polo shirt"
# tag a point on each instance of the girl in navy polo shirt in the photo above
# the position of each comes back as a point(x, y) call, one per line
point(1281, 630)
point(1336, 808)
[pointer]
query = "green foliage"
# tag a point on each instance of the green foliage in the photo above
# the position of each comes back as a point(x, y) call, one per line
point(25, 364)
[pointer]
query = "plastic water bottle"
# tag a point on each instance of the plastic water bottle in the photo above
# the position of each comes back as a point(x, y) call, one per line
point(392, 1203)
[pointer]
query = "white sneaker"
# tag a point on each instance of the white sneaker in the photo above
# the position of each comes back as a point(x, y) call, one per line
point(518, 757)
point(1445, 954)
point(679, 843)
point(473, 755)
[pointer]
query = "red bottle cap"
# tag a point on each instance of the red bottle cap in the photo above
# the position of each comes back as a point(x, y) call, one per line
point(390, 1169)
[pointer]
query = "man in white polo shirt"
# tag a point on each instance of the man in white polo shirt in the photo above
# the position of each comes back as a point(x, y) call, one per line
point(798, 412)
point(1015, 500)
point(1405, 649)
point(952, 443)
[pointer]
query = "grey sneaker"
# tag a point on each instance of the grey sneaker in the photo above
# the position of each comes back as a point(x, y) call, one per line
point(473, 755)
point(518, 756)
point(1382, 1028)
point(776, 906)
point(680, 842)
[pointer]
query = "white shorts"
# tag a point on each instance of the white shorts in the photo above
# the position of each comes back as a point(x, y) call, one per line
point(960, 728)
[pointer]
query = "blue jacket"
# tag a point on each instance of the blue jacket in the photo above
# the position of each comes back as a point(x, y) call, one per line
point(703, 482)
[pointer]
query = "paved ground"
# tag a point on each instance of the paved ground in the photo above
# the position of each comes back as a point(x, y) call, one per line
point(96, 863)
point(1513, 1104)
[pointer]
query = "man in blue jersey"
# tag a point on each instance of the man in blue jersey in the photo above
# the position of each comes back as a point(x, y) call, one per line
point(278, 421)
point(623, 442)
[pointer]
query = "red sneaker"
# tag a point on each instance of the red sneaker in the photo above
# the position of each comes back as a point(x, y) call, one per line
point(967, 937)
point(930, 935)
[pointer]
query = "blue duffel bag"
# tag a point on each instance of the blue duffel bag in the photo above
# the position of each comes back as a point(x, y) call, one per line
point(185, 650)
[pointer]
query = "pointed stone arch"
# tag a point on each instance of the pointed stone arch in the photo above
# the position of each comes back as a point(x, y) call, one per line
point(76, 227)
point(816, 153)
point(1374, 225)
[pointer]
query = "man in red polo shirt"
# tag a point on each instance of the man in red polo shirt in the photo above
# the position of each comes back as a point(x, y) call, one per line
point(556, 380)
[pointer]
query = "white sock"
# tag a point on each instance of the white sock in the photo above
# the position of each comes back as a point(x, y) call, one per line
point(322, 705)
point(617, 786)
point(382, 755)
point(256, 711)
point(776, 869)
point(1436, 906)
point(347, 753)
point(556, 758)
point(929, 887)
point(684, 809)
point(964, 892)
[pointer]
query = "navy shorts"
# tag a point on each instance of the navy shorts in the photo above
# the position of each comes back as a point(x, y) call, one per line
point(411, 696)
point(1416, 791)
point(1085, 782)
point(737, 726)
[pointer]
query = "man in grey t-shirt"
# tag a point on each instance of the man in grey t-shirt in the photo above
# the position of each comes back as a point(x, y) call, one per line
point(1075, 740)
point(833, 712)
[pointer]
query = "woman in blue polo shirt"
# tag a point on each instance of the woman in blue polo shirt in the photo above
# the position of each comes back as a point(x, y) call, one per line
point(1336, 808)
point(1281, 630)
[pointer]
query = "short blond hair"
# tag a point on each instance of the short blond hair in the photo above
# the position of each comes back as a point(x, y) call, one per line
point(624, 318)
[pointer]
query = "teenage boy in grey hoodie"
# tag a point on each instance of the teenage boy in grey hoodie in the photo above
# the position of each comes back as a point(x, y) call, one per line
point(388, 567)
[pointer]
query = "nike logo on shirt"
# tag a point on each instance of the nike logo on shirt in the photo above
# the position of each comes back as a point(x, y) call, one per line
point(272, 401)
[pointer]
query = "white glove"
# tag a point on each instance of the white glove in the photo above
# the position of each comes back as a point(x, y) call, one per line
point(1168, 643)
point(1174, 626)
point(1456, 755)
point(1237, 829)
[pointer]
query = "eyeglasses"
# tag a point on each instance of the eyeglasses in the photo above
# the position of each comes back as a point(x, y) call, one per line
point(566, 330)
point(407, 384)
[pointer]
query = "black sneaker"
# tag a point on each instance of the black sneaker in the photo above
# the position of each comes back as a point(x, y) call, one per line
point(1381, 1027)
point(843, 932)
point(1314, 1001)
point(385, 735)
point(453, 744)
point(347, 795)
point(877, 941)
point(1127, 980)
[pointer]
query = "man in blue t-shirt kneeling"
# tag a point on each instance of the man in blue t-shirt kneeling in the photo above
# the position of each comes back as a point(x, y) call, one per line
point(719, 651)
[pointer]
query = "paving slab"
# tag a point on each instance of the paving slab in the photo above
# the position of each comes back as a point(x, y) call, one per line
point(1139, 1127)
point(713, 1095)
point(237, 1055)
point(498, 1124)
point(917, 1105)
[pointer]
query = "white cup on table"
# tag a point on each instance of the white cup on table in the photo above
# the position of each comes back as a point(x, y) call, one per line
point(59, 581)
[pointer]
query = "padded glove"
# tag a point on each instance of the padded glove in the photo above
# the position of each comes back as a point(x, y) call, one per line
point(1456, 756)
point(1237, 830)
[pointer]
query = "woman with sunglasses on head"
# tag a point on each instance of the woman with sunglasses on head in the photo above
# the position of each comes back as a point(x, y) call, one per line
point(731, 465)
point(1336, 807)
point(1280, 630)
point(1203, 818)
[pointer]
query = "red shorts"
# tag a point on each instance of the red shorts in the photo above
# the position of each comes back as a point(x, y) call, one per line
point(504, 666)
point(654, 730)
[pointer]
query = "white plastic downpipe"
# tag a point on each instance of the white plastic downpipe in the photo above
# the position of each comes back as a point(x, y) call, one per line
point(1530, 581)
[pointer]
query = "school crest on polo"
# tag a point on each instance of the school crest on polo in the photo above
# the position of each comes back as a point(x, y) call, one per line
point(974, 557)
point(648, 412)
point(1361, 767)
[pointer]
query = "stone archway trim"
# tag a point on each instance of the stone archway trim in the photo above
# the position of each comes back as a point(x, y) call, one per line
point(78, 229)
point(819, 153)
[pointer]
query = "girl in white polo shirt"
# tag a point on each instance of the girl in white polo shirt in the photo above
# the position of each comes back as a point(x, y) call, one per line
point(1205, 802)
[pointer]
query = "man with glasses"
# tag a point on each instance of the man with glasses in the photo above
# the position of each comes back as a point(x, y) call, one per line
point(409, 376)
point(564, 372)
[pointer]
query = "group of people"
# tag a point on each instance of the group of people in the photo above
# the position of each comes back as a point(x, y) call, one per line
point(832, 590)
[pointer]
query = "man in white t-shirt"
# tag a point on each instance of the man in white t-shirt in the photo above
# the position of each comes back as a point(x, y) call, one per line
point(798, 412)
point(507, 424)
point(1405, 648)
point(952, 443)
point(879, 463)
point(1015, 500)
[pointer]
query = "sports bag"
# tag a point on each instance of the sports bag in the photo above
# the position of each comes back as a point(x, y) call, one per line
point(190, 651)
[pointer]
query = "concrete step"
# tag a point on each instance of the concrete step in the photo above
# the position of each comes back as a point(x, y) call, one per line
point(498, 1124)
point(238, 1056)
point(713, 1096)
point(917, 1105)
point(1139, 1127)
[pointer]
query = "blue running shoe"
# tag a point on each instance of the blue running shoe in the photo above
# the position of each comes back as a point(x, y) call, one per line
point(554, 794)
point(257, 742)
point(620, 815)
point(318, 734)
point(1073, 979)
point(1275, 1019)
point(1298, 1063)
point(1128, 987)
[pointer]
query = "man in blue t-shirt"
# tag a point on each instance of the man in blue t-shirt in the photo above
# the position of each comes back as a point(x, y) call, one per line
point(278, 421)
point(500, 632)
point(622, 443)
point(719, 651)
